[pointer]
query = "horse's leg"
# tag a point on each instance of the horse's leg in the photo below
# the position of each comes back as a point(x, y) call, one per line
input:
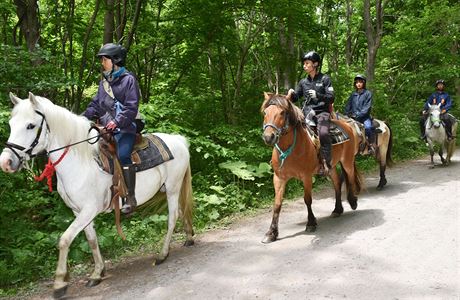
point(349, 170)
point(307, 187)
point(337, 181)
point(99, 268)
point(430, 143)
point(82, 219)
point(173, 214)
point(382, 160)
point(272, 233)
point(441, 153)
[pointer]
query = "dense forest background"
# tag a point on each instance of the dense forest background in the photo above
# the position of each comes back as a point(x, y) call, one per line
point(203, 66)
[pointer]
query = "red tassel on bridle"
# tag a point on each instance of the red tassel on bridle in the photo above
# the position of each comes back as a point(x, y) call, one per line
point(49, 170)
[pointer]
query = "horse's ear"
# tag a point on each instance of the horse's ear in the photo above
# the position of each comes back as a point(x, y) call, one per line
point(429, 105)
point(14, 98)
point(267, 95)
point(33, 99)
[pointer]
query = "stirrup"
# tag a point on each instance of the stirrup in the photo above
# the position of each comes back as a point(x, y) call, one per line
point(128, 208)
point(324, 170)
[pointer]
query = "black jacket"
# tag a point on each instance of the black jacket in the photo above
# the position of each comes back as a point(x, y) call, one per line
point(324, 93)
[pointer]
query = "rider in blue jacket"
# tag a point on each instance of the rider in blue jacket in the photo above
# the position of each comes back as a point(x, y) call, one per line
point(439, 96)
point(116, 106)
point(359, 106)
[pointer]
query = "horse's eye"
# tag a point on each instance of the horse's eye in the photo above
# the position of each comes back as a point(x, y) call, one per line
point(30, 126)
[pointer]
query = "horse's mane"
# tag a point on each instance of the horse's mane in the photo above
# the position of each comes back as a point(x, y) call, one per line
point(294, 113)
point(67, 127)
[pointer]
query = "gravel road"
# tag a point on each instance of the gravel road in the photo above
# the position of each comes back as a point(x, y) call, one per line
point(401, 243)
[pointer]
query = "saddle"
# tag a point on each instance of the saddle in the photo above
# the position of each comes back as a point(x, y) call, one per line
point(336, 132)
point(149, 151)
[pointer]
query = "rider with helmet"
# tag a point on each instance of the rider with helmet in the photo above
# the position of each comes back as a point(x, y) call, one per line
point(358, 107)
point(318, 93)
point(438, 97)
point(116, 106)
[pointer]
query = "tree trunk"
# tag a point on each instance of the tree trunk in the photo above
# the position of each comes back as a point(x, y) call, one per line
point(348, 44)
point(109, 22)
point(28, 15)
point(374, 34)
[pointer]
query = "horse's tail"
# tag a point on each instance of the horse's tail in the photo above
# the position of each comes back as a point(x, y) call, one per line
point(186, 201)
point(389, 159)
point(358, 180)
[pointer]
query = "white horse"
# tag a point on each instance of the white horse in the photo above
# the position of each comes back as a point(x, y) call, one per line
point(436, 135)
point(38, 125)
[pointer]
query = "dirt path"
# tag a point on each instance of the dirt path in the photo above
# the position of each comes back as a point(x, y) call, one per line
point(401, 243)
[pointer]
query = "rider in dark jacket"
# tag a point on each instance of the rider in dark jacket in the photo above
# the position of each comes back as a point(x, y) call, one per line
point(438, 97)
point(116, 106)
point(318, 94)
point(359, 107)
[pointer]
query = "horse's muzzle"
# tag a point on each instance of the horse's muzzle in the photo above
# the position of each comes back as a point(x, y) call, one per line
point(270, 139)
point(9, 163)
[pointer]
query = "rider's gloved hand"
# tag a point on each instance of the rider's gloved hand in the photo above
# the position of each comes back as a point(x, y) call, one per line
point(312, 94)
point(111, 126)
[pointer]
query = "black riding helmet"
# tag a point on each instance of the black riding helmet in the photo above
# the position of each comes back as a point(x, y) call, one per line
point(115, 52)
point(312, 56)
point(439, 81)
point(361, 77)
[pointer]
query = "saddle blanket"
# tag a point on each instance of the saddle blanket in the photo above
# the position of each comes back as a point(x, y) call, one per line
point(337, 134)
point(150, 152)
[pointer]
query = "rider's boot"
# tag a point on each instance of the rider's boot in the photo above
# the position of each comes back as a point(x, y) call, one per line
point(129, 173)
point(372, 145)
point(325, 164)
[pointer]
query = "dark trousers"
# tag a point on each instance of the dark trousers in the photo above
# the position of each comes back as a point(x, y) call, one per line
point(444, 118)
point(324, 122)
point(125, 144)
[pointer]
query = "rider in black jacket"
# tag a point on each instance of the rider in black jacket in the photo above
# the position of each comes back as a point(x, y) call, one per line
point(318, 93)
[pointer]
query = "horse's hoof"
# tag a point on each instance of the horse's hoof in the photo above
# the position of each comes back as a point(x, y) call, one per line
point(93, 282)
point(159, 261)
point(60, 292)
point(189, 243)
point(431, 167)
point(353, 204)
point(269, 239)
point(310, 228)
point(335, 214)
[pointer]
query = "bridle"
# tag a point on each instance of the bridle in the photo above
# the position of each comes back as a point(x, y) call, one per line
point(13, 147)
point(283, 155)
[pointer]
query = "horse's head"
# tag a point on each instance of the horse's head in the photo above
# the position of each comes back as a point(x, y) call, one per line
point(279, 114)
point(27, 136)
point(435, 115)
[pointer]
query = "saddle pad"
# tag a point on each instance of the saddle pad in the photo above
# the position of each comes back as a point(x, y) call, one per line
point(150, 152)
point(337, 134)
point(155, 154)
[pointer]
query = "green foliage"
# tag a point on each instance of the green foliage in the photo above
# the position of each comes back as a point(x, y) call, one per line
point(202, 67)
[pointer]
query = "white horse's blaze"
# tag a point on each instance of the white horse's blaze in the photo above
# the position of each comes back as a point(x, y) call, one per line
point(82, 185)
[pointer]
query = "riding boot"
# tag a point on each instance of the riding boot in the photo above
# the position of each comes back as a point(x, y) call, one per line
point(325, 164)
point(448, 127)
point(372, 145)
point(422, 128)
point(130, 203)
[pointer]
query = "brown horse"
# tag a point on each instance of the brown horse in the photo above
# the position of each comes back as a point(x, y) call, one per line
point(295, 155)
point(384, 139)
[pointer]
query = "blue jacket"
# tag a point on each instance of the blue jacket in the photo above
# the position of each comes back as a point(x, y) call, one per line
point(126, 90)
point(439, 97)
point(324, 92)
point(359, 104)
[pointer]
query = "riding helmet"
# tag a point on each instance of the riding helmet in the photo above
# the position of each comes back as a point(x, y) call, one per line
point(361, 77)
point(115, 52)
point(312, 56)
point(440, 81)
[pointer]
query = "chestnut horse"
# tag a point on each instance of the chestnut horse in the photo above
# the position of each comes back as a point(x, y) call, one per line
point(295, 155)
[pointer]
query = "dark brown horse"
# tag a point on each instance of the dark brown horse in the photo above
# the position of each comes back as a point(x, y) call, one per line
point(295, 155)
